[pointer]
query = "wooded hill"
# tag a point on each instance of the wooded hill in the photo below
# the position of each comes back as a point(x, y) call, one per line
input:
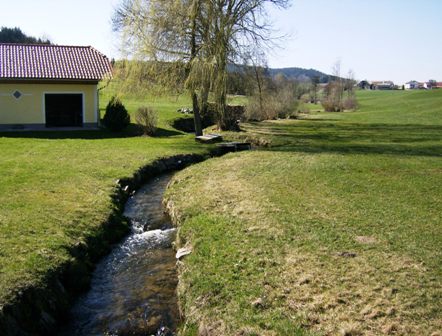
point(301, 74)
point(15, 35)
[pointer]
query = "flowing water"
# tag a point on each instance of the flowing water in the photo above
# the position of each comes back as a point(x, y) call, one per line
point(133, 288)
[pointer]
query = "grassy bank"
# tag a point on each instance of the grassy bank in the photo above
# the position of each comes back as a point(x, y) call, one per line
point(55, 190)
point(334, 229)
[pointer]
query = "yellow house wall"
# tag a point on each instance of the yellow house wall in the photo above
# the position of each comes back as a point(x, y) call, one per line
point(29, 108)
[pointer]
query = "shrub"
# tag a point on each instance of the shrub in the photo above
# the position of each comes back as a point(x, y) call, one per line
point(305, 98)
point(147, 119)
point(281, 104)
point(259, 111)
point(116, 117)
point(253, 110)
point(331, 104)
point(350, 103)
point(285, 102)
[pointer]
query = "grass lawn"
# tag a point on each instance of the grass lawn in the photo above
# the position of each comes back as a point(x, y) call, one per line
point(55, 189)
point(336, 228)
point(414, 107)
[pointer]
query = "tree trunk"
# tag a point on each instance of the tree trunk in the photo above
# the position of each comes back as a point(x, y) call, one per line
point(258, 82)
point(220, 100)
point(196, 115)
point(205, 98)
point(220, 88)
point(195, 106)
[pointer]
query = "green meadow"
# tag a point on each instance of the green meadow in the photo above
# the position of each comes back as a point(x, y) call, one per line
point(55, 188)
point(334, 228)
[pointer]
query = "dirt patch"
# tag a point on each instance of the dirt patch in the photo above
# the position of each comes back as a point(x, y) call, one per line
point(366, 239)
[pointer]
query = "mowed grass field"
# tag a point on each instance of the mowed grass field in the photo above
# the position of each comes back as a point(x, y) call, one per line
point(334, 229)
point(55, 189)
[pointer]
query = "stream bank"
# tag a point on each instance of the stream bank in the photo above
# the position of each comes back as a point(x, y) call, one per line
point(37, 310)
point(133, 289)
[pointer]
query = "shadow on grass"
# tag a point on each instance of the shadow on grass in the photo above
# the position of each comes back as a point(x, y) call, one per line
point(92, 134)
point(163, 132)
point(314, 137)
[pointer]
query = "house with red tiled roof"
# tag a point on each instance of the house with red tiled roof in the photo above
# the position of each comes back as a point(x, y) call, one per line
point(435, 85)
point(50, 86)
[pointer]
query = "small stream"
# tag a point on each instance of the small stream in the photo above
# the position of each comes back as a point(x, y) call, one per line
point(133, 289)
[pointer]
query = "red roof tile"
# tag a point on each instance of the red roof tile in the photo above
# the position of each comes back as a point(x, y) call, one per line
point(32, 61)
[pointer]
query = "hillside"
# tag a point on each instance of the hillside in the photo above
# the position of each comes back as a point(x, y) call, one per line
point(300, 74)
point(15, 35)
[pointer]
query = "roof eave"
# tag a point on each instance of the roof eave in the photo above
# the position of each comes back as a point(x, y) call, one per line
point(48, 81)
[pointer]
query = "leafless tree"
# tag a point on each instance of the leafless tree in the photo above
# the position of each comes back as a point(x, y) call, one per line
point(204, 35)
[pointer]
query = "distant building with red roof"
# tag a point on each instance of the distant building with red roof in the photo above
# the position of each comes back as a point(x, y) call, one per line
point(48, 86)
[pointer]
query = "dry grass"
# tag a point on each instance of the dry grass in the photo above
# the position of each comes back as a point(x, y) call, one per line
point(333, 292)
point(277, 248)
point(335, 229)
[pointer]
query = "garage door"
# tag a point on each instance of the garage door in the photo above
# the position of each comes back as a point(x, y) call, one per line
point(64, 109)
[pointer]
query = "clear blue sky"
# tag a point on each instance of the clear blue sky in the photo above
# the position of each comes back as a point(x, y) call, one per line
point(395, 40)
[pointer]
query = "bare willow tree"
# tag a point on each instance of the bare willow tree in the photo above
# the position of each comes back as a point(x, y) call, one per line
point(165, 35)
point(204, 36)
point(236, 26)
point(334, 100)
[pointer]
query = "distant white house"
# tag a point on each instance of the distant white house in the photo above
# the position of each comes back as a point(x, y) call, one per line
point(411, 85)
point(415, 85)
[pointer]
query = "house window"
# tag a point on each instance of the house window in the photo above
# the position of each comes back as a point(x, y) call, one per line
point(17, 94)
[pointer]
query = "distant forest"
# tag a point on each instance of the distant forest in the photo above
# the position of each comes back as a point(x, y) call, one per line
point(292, 73)
point(301, 74)
point(15, 35)
point(241, 78)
